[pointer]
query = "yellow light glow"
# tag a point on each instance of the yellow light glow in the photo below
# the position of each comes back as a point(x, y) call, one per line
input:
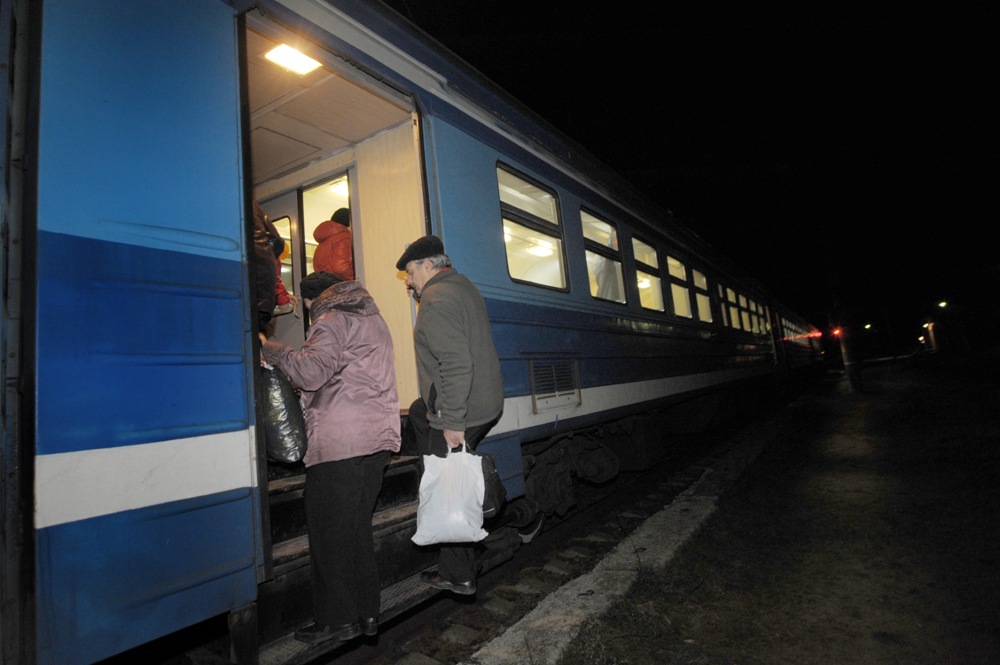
point(339, 188)
point(538, 250)
point(291, 59)
point(644, 283)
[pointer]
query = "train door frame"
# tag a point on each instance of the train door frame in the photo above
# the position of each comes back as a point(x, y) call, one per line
point(389, 159)
point(17, 551)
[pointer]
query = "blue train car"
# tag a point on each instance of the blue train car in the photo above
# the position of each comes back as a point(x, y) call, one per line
point(137, 497)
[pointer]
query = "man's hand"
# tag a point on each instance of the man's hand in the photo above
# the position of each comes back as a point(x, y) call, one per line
point(454, 438)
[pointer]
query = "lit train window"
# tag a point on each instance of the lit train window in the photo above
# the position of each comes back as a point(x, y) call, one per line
point(319, 202)
point(701, 297)
point(682, 300)
point(734, 310)
point(678, 289)
point(650, 286)
point(722, 305)
point(645, 253)
point(650, 290)
point(531, 232)
point(604, 264)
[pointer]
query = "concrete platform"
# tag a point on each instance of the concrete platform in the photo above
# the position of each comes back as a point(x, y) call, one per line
point(856, 527)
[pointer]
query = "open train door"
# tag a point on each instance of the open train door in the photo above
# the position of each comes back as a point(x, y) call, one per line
point(145, 509)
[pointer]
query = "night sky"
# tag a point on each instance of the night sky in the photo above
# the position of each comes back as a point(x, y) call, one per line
point(846, 157)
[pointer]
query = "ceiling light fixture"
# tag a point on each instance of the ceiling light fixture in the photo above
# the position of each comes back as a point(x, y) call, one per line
point(291, 59)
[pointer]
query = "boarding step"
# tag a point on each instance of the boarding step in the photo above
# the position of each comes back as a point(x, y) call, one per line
point(286, 487)
point(285, 600)
point(396, 599)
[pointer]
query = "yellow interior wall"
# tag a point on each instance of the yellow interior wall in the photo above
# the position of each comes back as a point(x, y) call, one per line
point(390, 211)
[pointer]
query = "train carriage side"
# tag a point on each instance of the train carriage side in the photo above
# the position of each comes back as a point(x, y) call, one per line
point(579, 346)
point(135, 361)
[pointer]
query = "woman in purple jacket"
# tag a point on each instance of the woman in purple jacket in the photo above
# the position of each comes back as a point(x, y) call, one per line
point(347, 377)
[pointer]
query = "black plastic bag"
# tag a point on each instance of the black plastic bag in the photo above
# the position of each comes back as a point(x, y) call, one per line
point(496, 494)
point(284, 424)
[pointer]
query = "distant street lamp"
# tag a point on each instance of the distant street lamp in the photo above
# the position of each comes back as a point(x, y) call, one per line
point(930, 333)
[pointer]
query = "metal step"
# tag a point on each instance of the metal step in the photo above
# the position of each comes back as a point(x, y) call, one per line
point(396, 599)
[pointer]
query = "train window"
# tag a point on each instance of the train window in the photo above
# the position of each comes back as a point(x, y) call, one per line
point(676, 268)
point(722, 304)
point(604, 264)
point(734, 317)
point(704, 307)
point(650, 290)
point(678, 287)
point(645, 253)
point(531, 232)
point(650, 286)
point(526, 197)
point(318, 205)
point(682, 300)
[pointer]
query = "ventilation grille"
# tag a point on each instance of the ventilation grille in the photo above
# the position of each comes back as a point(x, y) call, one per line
point(555, 384)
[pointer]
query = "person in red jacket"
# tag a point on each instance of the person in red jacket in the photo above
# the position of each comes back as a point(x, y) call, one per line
point(335, 251)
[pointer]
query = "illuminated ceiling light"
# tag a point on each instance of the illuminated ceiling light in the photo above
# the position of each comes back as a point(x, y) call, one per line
point(291, 59)
point(943, 304)
point(644, 283)
point(539, 250)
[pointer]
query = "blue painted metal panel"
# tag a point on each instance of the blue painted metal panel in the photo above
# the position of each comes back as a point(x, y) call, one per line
point(139, 139)
point(143, 331)
point(131, 572)
point(136, 345)
point(609, 349)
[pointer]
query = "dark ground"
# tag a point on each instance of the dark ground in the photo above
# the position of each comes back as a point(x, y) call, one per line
point(866, 533)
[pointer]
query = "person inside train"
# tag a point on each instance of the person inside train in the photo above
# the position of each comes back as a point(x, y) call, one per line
point(347, 376)
point(335, 251)
point(264, 234)
point(458, 370)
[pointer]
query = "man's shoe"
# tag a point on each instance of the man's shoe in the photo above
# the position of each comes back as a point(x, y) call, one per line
point(434, 579)
point(369, 625)
point(316, 633)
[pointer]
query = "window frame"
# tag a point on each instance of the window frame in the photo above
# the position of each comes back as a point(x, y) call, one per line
point(534, 223)
point(615, 255)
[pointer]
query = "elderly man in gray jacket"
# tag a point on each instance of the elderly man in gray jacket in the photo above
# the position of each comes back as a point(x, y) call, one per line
point(461, 388)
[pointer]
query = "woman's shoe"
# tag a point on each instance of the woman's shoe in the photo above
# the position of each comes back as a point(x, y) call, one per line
point(369, 625)
point(316, 633)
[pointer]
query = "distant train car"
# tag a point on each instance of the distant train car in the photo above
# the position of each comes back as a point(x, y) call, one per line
point(137, 496)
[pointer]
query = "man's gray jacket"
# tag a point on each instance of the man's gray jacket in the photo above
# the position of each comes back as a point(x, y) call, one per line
point(457, 365)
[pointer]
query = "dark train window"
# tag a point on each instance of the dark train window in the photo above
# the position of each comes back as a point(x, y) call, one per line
point(604, 258)
point(647, 275)
point(532, 233)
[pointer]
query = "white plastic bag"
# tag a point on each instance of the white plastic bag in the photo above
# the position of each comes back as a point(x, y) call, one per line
point(451, 499)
